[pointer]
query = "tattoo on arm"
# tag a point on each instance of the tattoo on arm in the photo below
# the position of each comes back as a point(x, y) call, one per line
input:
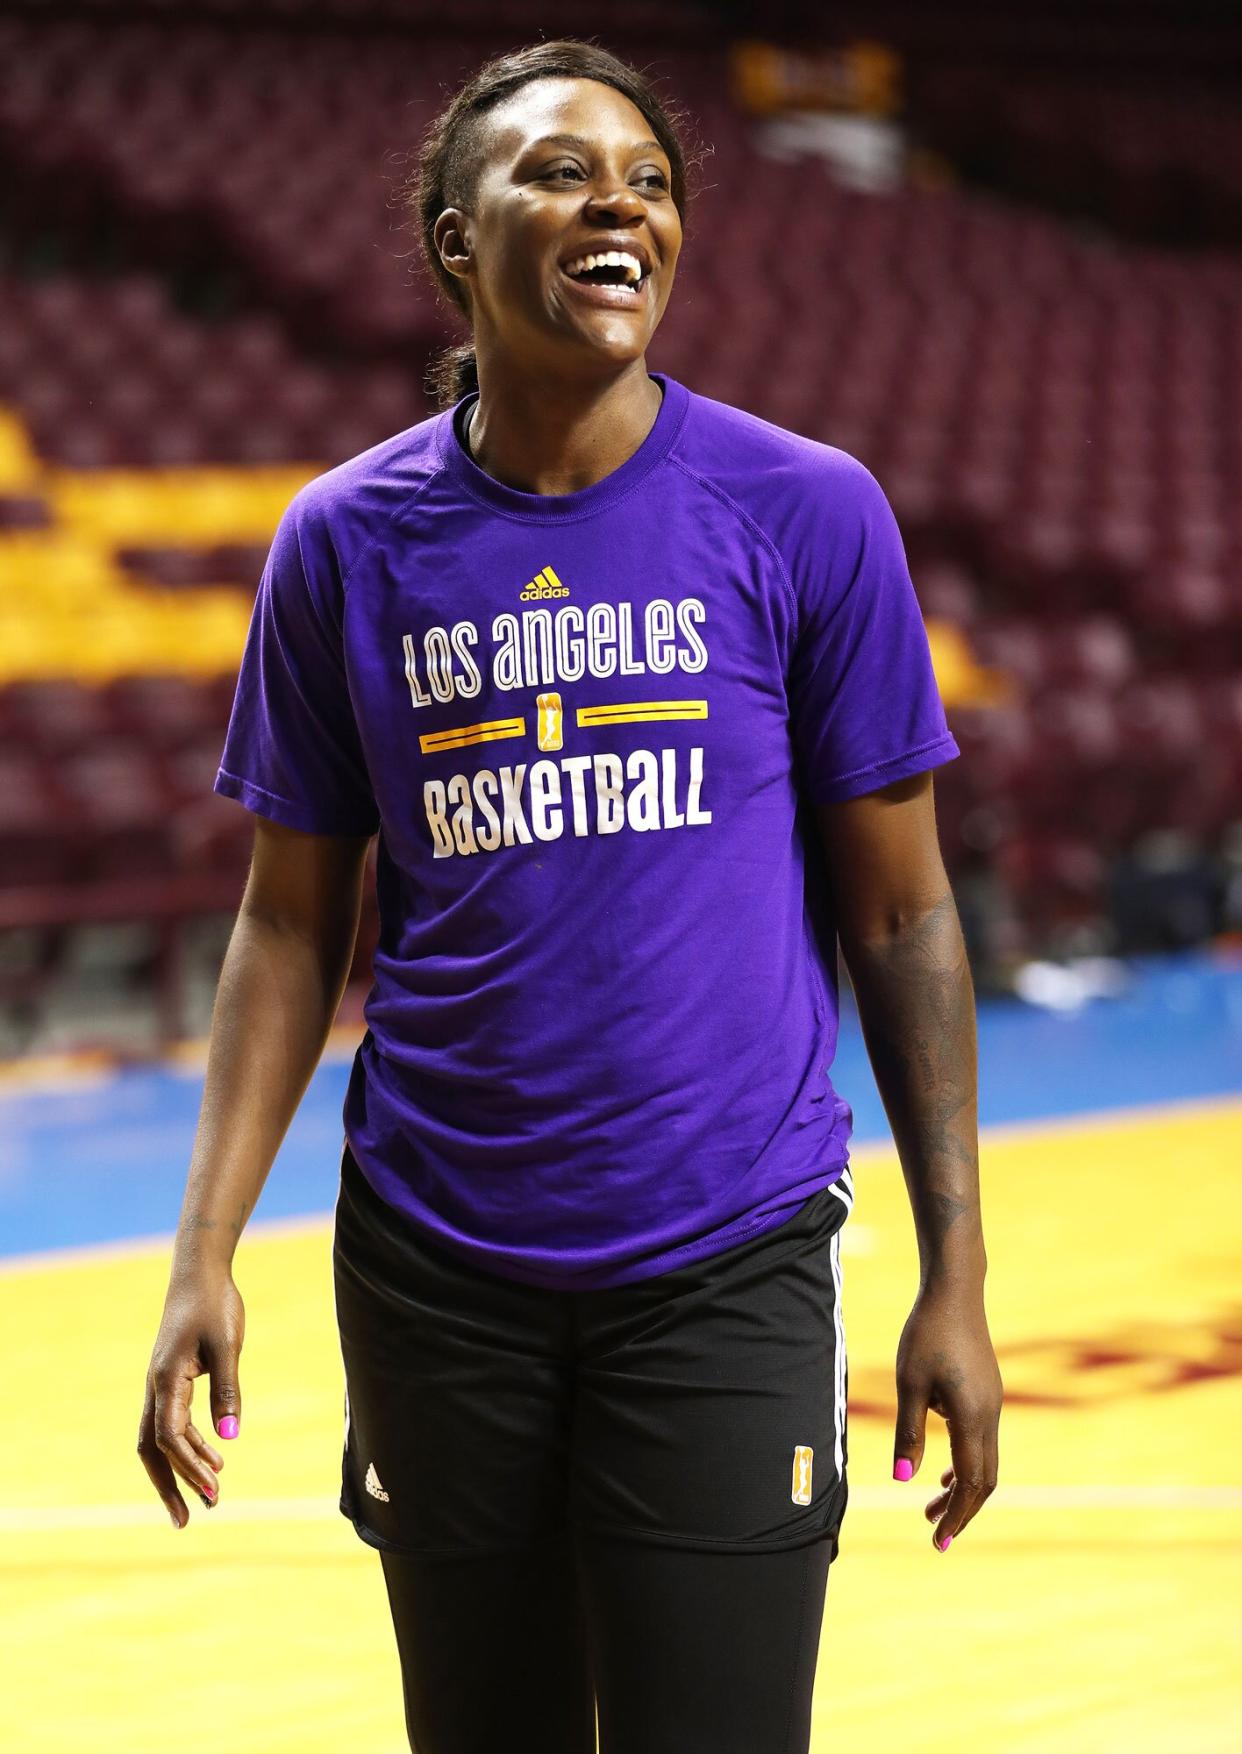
point(916, 1003)
point(944, 1211)
point(196, 1221)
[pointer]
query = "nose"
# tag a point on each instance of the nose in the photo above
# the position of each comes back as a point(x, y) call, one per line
point(620, 201)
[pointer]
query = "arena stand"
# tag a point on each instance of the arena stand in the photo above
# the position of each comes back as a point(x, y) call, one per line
point(207, 298)
point(1124, 114)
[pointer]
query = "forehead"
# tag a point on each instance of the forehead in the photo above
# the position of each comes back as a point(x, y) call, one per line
point(599, 114)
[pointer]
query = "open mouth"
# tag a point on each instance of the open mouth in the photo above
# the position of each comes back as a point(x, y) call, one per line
point(613, 277)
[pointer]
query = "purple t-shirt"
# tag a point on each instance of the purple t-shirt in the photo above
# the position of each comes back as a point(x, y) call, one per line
point(590, 729)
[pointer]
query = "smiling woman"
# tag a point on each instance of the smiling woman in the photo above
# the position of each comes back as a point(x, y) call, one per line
point(497, 197)
point(663, 661)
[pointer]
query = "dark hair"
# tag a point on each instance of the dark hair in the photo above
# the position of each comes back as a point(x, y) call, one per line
point(449, 160)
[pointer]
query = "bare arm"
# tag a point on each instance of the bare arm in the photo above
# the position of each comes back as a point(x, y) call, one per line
point(279, 989)
point(902, 943)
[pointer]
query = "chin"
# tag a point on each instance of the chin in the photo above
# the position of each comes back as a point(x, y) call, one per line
point(622, 352)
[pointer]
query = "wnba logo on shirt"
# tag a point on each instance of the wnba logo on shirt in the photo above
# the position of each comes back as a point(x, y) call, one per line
point(551, 718)
point(544, 584)
point(802, 1459)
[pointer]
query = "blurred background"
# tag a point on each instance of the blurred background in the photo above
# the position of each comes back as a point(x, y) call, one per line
point(996, 258)
point(993, 252)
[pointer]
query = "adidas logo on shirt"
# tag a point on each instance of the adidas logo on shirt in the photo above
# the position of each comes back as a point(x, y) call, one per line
point(544, 584)
point(373, 1484)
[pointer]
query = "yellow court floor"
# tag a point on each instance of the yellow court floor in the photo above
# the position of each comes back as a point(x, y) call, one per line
point(1091, 1608)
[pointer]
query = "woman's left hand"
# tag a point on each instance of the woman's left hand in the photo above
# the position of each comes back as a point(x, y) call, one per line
point(945, 1361)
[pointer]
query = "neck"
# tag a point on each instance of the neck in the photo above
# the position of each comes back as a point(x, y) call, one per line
point(559, 438)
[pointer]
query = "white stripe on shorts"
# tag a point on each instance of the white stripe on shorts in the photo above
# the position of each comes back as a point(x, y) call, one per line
point(345, 1439)
point(843, 1188)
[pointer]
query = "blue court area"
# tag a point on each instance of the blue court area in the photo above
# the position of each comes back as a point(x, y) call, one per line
point(101, 1156)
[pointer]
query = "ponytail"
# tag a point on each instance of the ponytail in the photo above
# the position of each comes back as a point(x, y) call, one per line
point(452, 374)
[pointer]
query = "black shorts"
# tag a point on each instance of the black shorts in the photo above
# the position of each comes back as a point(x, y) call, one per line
point(703, 1408)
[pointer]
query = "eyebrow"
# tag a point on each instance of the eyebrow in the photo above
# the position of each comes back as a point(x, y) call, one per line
point(577, 140)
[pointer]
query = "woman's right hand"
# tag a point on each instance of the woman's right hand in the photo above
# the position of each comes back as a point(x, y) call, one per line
point(202, 1332)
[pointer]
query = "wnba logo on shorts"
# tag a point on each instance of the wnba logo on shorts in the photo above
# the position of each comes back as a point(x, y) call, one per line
point(803, 1455)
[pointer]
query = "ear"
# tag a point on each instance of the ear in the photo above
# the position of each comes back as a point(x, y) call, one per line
point(451, 240)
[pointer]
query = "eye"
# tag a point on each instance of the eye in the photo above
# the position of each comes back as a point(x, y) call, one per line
point(559, 170)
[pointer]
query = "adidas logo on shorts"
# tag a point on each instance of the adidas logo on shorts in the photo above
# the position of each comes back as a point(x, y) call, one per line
point(373, 1484)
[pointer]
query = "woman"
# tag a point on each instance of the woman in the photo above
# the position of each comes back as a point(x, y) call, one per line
point(634, 688)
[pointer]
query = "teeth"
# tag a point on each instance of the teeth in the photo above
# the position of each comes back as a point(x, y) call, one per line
point(611, 259)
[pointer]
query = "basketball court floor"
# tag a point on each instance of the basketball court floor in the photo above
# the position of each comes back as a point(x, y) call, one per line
point(1091, 1607)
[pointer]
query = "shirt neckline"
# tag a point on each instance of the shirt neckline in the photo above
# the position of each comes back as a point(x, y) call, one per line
point(547, 508)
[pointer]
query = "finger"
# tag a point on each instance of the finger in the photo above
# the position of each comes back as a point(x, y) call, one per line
point(209, 1455)
point(987, 1424)
point(172, 1415)
point(991, 1468)
point(935, 1507)
point(158, 1470)
point(968, 1443)
point(198, 1475)
point(209, 1490)
point(909, 1432)
point(225, 1391)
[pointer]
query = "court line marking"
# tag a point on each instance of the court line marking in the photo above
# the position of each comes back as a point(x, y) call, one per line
point(128, 1248)
point(80, 1069)
point(858, 1239)
point(51, 1518)
point(1228, 1105)
point(855, 1237)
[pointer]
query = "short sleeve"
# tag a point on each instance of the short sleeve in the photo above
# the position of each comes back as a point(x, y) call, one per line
point(864, 705)
point(292, 751)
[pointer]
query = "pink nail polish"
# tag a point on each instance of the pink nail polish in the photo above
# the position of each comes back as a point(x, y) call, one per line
point(943, 1544)
point(228, 1426)
point(903, 1468)
point(210, 1491)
